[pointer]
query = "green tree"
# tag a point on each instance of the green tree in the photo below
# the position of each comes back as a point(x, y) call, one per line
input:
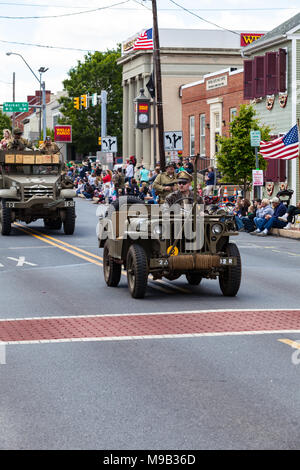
point(99, 71)
point(5, 123)
point(236, 157)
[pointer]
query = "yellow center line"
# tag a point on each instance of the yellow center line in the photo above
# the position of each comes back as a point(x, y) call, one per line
point(56, 240)
point(48, 239)
point(42, 238)
point(290, 342)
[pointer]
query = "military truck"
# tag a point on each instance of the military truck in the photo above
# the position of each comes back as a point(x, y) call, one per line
point(33, 186)
point(147, 242)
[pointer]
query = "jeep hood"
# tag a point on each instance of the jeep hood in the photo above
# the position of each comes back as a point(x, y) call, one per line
point(34, 179)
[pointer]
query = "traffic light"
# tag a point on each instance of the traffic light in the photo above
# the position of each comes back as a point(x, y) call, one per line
point(99, 141)
point(76, 102)
point(142, 111)
point(83, 101)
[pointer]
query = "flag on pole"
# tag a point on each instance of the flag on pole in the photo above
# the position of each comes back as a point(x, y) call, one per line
point(144, 41)
point(150, 85)
point(284, 148)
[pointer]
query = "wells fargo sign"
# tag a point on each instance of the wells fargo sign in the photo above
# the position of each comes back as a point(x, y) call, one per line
point(63, 134)
point(248, 38)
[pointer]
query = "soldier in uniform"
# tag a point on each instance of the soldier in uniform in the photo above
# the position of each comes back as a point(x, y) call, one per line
point(48, 147)
point(18, 142)
point(184, 180)
point(164, 183)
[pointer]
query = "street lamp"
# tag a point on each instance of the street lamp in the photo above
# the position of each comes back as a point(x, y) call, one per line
point(42, 88)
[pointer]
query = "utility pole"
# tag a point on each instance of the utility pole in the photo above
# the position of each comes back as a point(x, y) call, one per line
point(159, 104)
point(14, 99)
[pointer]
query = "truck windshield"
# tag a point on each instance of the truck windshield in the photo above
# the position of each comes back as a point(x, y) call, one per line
point(31, 169)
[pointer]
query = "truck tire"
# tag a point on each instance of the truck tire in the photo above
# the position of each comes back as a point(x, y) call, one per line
point(5, 218)
point(111, 269)
point(230, 278)
point(69, 221)
point(193, 279)
point(137, 271)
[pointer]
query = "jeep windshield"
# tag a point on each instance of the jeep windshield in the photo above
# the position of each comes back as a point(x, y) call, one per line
point(30, 169)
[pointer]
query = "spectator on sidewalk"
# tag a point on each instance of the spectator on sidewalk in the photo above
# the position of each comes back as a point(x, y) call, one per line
point(271, 221)
point(264, 210)
point(209, 181)
point(290, 215)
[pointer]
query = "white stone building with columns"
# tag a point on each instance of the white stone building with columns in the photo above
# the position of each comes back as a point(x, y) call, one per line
point(186, 56)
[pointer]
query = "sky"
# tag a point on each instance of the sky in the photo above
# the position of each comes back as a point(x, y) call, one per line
point(111, 22)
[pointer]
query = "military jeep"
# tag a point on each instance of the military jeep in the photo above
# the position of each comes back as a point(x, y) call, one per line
point(32, 187)
point(146, 241)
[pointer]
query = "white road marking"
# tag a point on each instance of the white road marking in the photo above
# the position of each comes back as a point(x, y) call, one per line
point(21, 261)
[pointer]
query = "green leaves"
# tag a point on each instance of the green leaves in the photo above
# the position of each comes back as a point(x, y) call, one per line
point(5, 123)
point(99, 71)
point(236, 157)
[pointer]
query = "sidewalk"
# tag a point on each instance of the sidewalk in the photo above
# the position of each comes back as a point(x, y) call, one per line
point(291, 233)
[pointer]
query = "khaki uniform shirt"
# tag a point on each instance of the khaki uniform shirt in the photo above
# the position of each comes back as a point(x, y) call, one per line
point(19, 144)
point(49, 149)
point(161, 182)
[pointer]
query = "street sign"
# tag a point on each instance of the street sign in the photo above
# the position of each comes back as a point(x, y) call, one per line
point(15, 107)
point(109, 157)
point(257, 177)
point(255, 138)
point(63, 133)
point(173, 140)
point(109, 144)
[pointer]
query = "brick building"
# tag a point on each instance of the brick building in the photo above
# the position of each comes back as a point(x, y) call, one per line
point(32, 100)
point(208, 106)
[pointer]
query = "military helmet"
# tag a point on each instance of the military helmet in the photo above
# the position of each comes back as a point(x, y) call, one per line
point(17, 131)
point(171, 164)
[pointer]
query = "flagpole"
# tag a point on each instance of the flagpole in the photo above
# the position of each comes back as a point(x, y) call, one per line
point(154, 118)
point(156, 57)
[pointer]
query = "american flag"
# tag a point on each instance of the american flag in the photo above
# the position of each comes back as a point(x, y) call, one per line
point(284, 148)
point(144, 41)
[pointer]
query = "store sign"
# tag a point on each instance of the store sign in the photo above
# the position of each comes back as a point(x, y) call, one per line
point(249, 38)
point(216, 82)
point(63, 134)
point(257, 177)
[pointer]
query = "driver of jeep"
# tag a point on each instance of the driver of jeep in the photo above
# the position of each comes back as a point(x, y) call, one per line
point(183, 193)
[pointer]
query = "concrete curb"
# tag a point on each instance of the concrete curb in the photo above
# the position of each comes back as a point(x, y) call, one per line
point(280, 232)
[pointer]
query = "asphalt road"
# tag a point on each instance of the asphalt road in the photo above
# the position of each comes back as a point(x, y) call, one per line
point(207, 392)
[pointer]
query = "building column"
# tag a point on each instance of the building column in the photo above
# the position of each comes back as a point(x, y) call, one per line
point(138, 132)
point(125, 119)
point(131, 133)
point(146, 137)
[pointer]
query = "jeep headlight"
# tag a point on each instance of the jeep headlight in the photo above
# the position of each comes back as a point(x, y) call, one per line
point(217, 229)
point(15, 185)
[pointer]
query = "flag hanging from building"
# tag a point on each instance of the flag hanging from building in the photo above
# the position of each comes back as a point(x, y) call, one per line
point(284, 148)
point(150, 85)
point(144, 41)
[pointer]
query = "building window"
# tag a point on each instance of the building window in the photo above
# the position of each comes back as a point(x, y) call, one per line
point(217, 121)
point(202, 135)
point(55, 118)
point(192, 135)
point(232, 114)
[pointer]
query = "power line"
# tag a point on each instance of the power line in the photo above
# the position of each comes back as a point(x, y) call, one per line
point(159, 9)
point(63, 15)
point(203, 19)
point(48, 47)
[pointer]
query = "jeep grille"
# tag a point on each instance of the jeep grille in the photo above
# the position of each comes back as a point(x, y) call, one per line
point(37, 190)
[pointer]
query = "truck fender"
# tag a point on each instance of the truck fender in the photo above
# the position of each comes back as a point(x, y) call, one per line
point(8, 193)
point(68, 193)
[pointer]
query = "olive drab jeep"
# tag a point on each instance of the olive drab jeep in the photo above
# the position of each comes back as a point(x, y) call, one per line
point(146, 240)
point(33, 186)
